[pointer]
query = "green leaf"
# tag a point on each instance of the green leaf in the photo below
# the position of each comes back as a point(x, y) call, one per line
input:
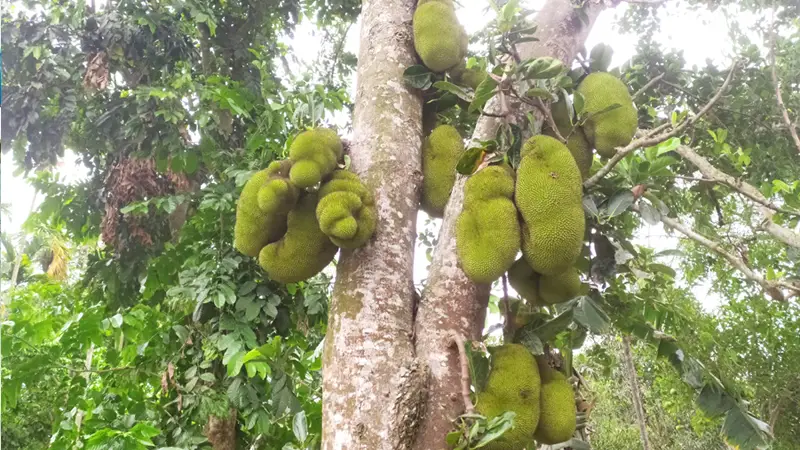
point(300, 426)
point(661, 268)
point(483, 93)
point(745, 432)
point(418, 77)
point(478, 367)
point(589, 314)
point(619, 203)
point(116, 320)
point(235, 363)
point(539, 92)
point(589, 206)
point(577, 102)
point(470, 160)
point(551, 328)
point(714, 401)
point(649, 213)
point(453, 89)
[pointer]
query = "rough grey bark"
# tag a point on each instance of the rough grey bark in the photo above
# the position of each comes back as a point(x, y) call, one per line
point(451, 301)
point(636, 395)
point(372, 384)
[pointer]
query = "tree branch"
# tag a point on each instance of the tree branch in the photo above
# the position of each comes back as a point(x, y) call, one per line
point(765, 207)
point(772, 287)
point(458, 340)
point(779, 97)
point(655, 136)
point(648, 85)
point(636, 395)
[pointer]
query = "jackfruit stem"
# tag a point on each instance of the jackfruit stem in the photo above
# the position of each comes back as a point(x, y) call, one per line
point(458, 340)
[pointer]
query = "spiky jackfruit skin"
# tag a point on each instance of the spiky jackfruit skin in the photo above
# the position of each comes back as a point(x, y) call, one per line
point(440, 153)
point(548, 197)
point(557, 420)
point(303, 251)
point(314, 154)
point(487, 230)
point(610, 129)
point(513, 385)
point(278, 195)
point(578, 145)
point(254, 229)
point(472, 77)
point(560, 287)
point(524, 280)
point(346, 210)
point(439, 39)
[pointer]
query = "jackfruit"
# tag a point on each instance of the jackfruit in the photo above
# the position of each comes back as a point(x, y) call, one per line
point(524, 280)
point(439, 39)
point(346, 210)
point(558, 413)
point(440, 154)
point(614, 128)
point(254, 229)
point(577, 144)
point(487, 230)
point(314, 154)
point(278, 194)
point(548, 197)
point(303, 251)
point(560, 287)
point(513, 385)
point(471, 77)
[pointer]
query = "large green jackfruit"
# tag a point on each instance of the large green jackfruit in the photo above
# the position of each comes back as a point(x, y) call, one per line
point(487, 230)
point(278, 195)
point(439, 39)
point(513, 385)
point(303, 251)
point(440, 154)
point(560, 287)
point(254, 229)
point(548, 197)
point(614, 128)
point(558, 413)
point(315, 154)
point(346, 210)
point(524, 280)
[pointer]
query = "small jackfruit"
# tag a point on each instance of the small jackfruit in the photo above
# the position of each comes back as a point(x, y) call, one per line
point(346, 210)
point(487, 230)
point(548, 197)
point(314, 154)
point(440, 154)
point(254, 229)
point(471, 77)
point(439, 39)
point(278, 194)
point(303, 251)
point(524, 280)
point(614, 128)
point(560, 287)
point(557, 420)
point(513, 385)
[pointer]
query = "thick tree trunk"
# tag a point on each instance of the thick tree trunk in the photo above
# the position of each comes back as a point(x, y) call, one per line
point(372, 384)
point(451, 301)
point(221, 432)
point(636, 395)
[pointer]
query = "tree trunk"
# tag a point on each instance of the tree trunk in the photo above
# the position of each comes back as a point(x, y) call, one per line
point(221, 431)
point(451, 301)
point(371, 381)
point(630, 371)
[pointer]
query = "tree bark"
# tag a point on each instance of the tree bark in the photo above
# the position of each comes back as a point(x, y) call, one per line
point(221, 431)
point(630, 371)
point(452, 303)
point(372, 384)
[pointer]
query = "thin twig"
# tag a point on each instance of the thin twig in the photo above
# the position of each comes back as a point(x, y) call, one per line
point(653, 137)
point(771, 287)
point(462, 358)
point(779, 97)
point(648, 85)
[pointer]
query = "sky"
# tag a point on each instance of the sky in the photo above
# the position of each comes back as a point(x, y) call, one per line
point(701, 35)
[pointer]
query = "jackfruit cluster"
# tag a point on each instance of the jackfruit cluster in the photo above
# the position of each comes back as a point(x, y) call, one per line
point(557, 419)
point(303, 251)
point(548, 197)
point(487, 230)
point(254, 229)
point(513, 385)
point(439, 39)
point(544, 289)
point(440, 154)
point(610, 129)
point(314, 154)
point(346, 210)
point(296, 233)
